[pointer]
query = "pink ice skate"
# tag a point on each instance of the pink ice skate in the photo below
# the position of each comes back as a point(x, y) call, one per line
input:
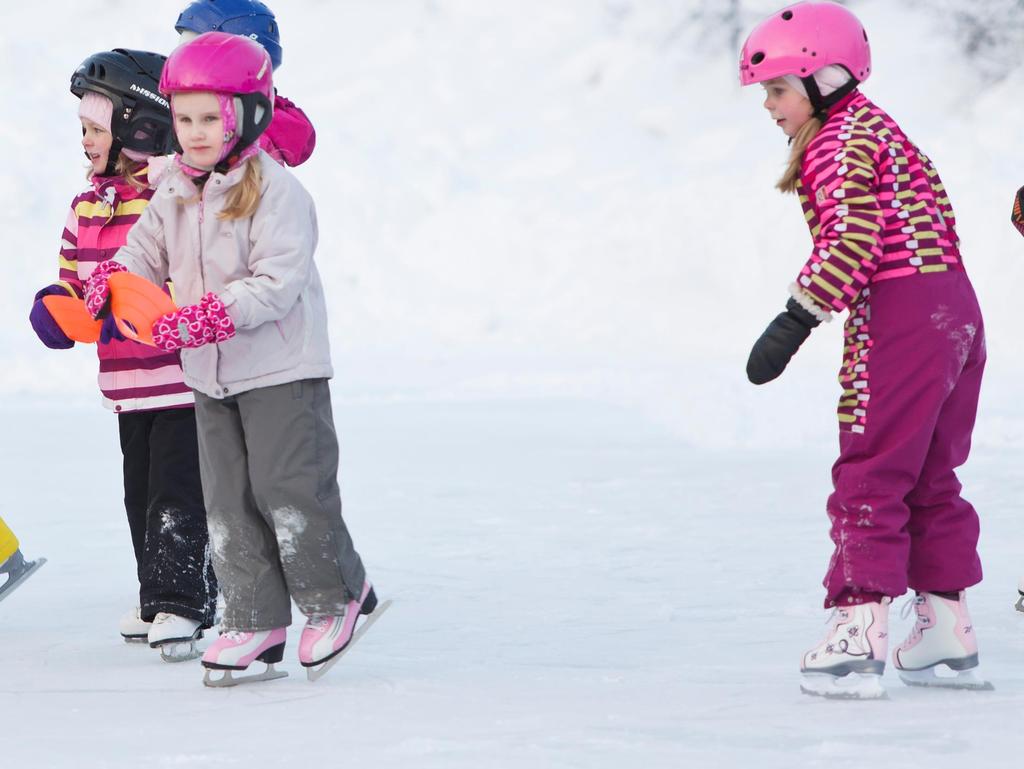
point(942, 649)
point(849, 663)
point(236, 650)
point(326, 638)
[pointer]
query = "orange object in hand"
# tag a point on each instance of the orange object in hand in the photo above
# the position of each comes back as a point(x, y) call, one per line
point(137, 304)
point(74, 320)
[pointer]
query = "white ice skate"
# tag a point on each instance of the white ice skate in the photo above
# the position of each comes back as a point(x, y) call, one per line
point(942, 649)
point(1020, 594)
point(175, 637)
point(849, 662)
point(236, 650)
point(17, 570)
point(133, 628)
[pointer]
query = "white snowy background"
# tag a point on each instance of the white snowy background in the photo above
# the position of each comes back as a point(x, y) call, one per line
point(549, 236)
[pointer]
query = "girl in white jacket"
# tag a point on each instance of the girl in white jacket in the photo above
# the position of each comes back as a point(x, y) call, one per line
point(236, 233)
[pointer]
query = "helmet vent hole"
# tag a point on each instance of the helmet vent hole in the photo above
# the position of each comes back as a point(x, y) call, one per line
point(787, 15)
point(757, 58)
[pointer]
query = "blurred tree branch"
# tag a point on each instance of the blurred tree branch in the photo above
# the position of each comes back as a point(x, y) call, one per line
point(990, 33)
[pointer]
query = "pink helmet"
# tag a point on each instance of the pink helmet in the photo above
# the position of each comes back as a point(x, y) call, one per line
point(801, 39)
point(236, 69)
point(220, 63)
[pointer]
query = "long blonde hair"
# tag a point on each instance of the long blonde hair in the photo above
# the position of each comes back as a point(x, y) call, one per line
point(798, 147)
point(243, 199)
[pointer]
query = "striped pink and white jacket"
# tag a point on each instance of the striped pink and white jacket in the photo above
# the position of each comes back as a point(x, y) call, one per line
point(875, 205)
point(133, 377)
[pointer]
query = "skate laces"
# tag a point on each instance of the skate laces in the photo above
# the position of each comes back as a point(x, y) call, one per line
point(837, 615)
point(909, 605)
point(321, 621)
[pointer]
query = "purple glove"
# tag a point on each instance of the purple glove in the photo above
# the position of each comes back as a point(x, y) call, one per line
point(44, 325)
point(109, 331)
point(97, 289)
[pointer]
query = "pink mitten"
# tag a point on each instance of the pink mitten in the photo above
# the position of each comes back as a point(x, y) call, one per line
point(194, 326)
point(97, 287)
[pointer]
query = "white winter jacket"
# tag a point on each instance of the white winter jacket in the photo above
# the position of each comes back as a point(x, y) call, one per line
point(262, 268)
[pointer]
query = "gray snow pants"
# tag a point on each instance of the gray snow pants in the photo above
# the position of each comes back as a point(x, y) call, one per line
point(269, 463)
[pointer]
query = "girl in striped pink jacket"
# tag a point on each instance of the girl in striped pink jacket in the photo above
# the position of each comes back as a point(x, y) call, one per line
point(885, 250)
point(125, 122)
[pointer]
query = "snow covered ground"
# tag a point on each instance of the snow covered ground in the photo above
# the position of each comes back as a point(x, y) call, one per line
point(549, 236)
point(573, 586)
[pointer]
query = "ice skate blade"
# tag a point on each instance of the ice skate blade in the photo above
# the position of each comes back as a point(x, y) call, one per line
point(852, 686)
point(136, 639)
point(182, 639)
point(181, 651)
point(316, 671)
point(944, 677)
point(230, 680)
point(1020, 603)
point(14, 579)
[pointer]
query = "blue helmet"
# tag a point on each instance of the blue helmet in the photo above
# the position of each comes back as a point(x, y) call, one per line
point(237, 17)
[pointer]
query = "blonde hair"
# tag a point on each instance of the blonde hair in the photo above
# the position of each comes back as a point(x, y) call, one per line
point(128, 169)
point(798, 146)
point(243, 199)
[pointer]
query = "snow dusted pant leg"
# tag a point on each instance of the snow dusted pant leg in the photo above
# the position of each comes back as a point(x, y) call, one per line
point(179, 554)
point(164, 500)
point(914, 330)
point(134, 430)
point(244, 547)
point(293, 463)
point(944, 527)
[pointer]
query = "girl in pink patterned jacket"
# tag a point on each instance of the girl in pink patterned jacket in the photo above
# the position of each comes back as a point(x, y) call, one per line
point(144, 386)
point(887, 252)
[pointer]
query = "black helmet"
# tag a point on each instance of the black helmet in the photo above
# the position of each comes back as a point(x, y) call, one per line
point(141, 120)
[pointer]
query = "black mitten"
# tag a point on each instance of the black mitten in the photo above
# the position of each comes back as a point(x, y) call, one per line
point(779, 343)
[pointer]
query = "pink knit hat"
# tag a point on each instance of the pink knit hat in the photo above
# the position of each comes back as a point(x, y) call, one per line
point(100, 110)
point(97, 108)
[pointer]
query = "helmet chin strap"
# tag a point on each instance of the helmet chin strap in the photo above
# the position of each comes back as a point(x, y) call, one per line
point(246, 130)
point(112, 155)
point(822, 104)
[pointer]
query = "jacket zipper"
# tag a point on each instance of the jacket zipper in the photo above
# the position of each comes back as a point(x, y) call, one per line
point(202, 275)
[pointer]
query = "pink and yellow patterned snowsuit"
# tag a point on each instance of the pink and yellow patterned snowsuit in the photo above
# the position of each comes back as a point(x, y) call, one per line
point(886, 249)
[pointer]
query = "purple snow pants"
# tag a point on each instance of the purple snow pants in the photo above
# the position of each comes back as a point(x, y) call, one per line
point(897, 516)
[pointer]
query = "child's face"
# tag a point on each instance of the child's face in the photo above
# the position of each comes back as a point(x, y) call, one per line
point(789, 108)
point(96, 141)
point(199, 127)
